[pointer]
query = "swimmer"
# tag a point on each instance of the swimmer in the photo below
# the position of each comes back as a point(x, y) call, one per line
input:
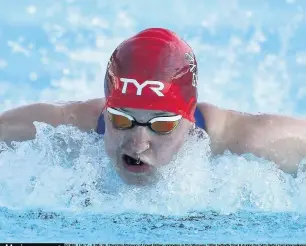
point(151, 105)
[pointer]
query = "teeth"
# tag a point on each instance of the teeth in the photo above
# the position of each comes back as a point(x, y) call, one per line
point(132, 161)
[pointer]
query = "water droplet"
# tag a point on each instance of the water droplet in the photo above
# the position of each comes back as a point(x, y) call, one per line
point(31, 9)
point(33, 76)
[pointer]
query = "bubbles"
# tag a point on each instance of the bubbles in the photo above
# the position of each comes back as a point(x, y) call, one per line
point(33, 76)
point(63, 177)
point(64, 168)
point(66, 71)
point(31, 9)
point(3, 63)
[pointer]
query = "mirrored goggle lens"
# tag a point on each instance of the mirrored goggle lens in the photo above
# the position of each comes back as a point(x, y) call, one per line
point(159, 124)
point(164, 126)
point(120, 121)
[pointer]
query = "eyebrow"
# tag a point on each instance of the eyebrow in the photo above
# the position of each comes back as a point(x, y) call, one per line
point(154, 114)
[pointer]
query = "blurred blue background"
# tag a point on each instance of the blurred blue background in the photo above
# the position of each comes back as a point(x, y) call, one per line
point(251, 54)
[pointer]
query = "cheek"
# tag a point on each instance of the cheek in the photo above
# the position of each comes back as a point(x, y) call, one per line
point(112, 139)
point(166, 147)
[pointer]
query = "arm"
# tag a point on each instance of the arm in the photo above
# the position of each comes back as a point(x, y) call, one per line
point(17, 124)
point(280, 139)
point(277, 138)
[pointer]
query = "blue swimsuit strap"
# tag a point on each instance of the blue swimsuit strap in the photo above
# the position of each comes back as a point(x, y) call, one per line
point(101, 125)
point(200, 122)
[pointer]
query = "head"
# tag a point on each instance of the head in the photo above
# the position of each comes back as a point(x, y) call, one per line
point(151, 96)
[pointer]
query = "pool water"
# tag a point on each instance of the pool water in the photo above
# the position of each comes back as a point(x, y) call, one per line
point(61, 187)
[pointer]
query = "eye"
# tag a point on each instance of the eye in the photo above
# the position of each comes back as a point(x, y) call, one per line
point(164, 126)
point(119, 121)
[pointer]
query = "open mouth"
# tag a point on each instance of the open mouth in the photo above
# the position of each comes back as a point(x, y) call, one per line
point(132, 161)
point(134, 165)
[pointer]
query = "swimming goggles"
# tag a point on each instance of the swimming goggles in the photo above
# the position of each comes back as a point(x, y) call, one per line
point(159, 125)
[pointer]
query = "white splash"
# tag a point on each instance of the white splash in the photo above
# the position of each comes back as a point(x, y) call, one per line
point(64, 168)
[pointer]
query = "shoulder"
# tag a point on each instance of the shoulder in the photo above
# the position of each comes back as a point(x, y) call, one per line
point(215, 117)
point(83, 114)
point(230, 129)
point(220, 124)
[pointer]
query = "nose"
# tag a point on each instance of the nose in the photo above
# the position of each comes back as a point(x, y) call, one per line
point(139, 140)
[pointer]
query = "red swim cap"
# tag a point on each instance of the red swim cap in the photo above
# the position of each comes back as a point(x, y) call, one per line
point(154, 70)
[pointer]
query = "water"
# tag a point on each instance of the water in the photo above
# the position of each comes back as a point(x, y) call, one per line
point(61, 186)
point(38, 226)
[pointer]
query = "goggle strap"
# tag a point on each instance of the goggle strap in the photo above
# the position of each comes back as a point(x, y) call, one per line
point(117, 112)
point(166, 118)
